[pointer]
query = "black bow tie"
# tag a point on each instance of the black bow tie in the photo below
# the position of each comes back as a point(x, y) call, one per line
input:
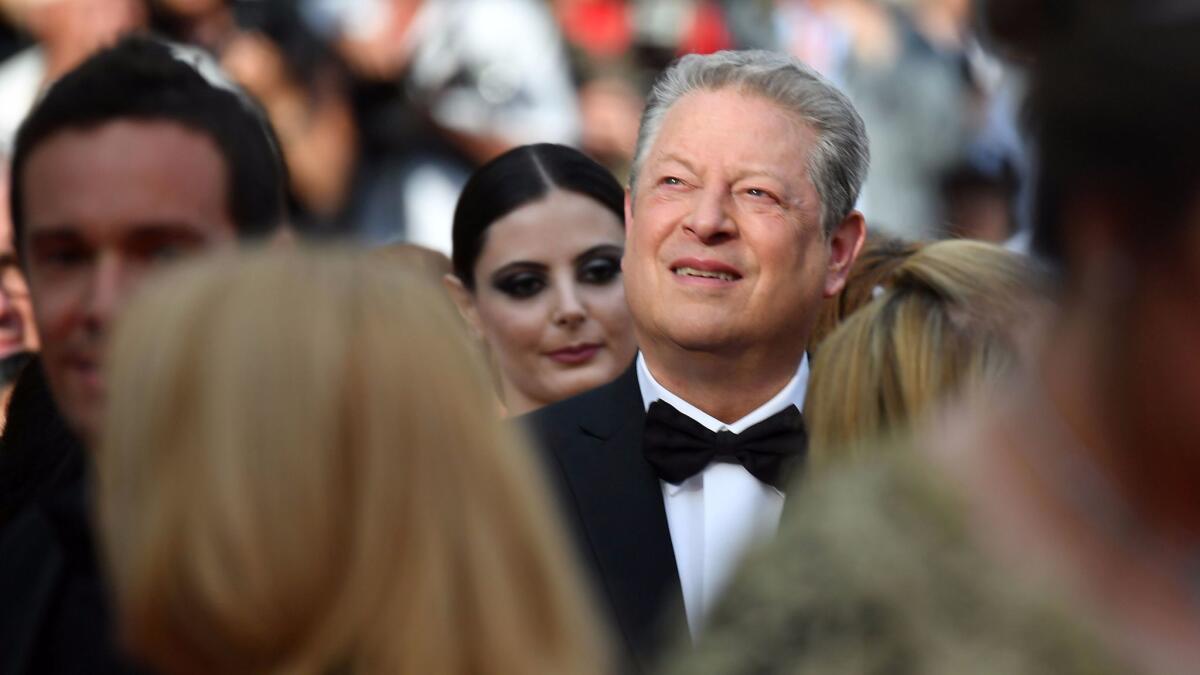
point(679, 447)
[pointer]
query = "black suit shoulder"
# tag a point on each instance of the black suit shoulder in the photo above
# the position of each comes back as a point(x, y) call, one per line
point(55, 614)
point(611, 501)
point(38, 453)
point(595, 410)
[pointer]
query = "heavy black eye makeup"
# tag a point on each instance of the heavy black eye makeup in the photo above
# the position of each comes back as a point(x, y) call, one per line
point(599, 265)
point(523, 279)
point(520, 280)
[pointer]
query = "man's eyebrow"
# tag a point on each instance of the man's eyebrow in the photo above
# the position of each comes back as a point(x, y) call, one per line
point(53, 232)
point(165, 229)
point(755, 171)
point(678, 159)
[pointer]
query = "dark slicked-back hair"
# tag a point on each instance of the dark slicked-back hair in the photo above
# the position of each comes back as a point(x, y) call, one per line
point(1113, 112)
point(144, 78)
point(518, 177)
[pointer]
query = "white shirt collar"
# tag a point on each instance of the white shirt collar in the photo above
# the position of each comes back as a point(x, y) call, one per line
point(791, 394)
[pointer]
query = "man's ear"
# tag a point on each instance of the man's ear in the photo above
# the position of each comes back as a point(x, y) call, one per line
point(845, 242)
point(464, 300)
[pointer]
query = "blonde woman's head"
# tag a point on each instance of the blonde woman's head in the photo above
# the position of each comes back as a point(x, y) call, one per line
point(950, 317)
point(301, 474)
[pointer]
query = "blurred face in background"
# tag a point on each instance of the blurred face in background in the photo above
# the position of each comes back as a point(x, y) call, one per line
point(17, 332)
point(103, 208)
point(548, 300)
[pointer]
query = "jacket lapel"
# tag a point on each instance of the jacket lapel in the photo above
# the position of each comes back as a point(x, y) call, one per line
point(620, 505)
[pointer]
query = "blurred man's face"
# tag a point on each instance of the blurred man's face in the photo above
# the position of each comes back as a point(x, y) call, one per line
point(104, 207)
point(725, 248)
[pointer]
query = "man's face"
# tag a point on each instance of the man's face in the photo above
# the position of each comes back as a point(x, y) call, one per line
point(104, 207)
point(725, 250)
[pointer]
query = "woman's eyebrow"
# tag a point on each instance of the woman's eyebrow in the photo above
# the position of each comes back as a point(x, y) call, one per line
point(599, 249)
point(519, 265)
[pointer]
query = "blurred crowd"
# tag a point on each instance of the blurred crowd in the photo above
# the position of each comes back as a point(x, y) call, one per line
point(352, 337)
point(384, 107)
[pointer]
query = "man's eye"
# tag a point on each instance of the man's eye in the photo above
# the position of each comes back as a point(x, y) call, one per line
point(521, 285)
point(599, 271)
point(759, 193)
point(671, 180)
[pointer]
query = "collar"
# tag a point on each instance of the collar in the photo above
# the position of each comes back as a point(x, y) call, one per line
point(791, 394)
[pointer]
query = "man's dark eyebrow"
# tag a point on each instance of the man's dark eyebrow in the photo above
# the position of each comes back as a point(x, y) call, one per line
point(598, 250)
point(165, 229)
point(53, 232)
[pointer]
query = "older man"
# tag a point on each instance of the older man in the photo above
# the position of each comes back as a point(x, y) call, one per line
point(135, 158)
point(740, 220)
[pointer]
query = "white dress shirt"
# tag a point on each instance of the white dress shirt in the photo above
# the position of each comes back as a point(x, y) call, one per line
point(717, 514)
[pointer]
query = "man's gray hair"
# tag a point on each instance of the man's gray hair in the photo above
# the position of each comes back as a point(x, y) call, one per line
point(838, 162)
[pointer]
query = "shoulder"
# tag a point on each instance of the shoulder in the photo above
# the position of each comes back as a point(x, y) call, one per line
point(38, 453)
point(594, 411)
point(876, 569)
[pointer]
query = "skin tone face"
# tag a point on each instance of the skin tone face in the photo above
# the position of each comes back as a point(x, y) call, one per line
point(103, 208)
point(548, 300)
point(726, 263)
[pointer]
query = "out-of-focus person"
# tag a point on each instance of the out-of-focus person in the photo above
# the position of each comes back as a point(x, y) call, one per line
point(951, 316)
point(903, 63)
point(315, 500)
point(425, 262)
point(443, 86)
point(18, 336)
point(980, 202)
point(741, 222)
point(1049, 524)
point(538, 239)
point(869, 277)
point(270, 51)
point(139, 156)
point(65, 33)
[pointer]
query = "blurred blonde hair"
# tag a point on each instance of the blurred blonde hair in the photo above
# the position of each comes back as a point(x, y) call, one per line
point(427, 262)
point(301, 473)
point(949, 318)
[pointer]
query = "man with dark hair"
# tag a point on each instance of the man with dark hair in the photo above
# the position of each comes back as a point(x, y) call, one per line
point(141, 154)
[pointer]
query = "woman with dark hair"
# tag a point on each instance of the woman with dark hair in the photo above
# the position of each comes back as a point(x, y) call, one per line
point(538, 238)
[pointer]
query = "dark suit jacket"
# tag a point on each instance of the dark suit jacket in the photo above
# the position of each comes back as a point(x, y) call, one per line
point(612, 502)
point(54, 607)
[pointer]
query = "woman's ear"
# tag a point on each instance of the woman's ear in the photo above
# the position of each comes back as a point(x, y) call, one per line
point(464, 300)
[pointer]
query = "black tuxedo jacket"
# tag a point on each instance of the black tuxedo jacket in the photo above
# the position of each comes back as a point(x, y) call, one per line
point(611, 500)
point(54, 607)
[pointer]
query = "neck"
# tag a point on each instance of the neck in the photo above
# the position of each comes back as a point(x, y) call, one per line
point(726, 386)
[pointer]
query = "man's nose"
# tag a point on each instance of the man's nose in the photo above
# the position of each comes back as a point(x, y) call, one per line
point(106, 290)
point(710, 220)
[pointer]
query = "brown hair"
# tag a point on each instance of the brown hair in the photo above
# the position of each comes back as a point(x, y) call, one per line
point(873, 269)
point(300, 473)
point(950, 319)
